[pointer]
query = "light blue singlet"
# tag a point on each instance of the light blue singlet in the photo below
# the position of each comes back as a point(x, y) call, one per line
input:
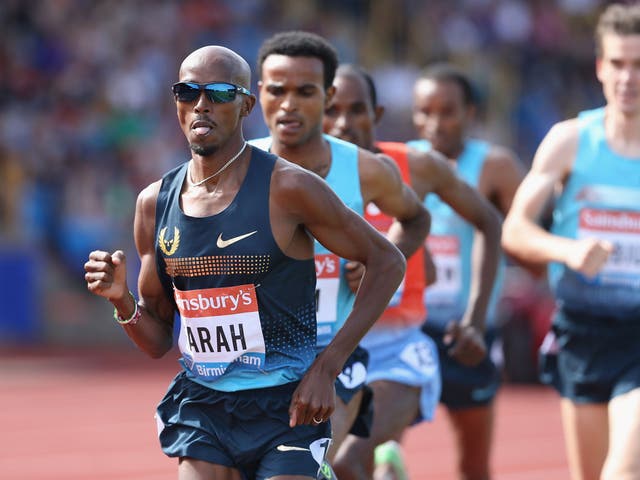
point(334, 299)
point(450, 242)
point(600, 200)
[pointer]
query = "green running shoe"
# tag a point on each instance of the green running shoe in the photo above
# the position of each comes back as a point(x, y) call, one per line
point(390, 453)
point(325, 472)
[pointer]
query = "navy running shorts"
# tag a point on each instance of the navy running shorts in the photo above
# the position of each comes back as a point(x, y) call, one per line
point(590, 360)
point(247, 430)
point(462, 386)
point(352, 380)
point(353, 376)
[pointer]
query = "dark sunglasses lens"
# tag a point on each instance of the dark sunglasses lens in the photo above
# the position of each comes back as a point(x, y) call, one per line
point(221, 93)
point(185, 93)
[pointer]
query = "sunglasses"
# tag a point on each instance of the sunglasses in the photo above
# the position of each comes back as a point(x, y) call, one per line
point(217, 92)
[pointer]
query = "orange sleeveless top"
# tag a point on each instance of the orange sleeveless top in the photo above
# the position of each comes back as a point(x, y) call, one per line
point(407, 305)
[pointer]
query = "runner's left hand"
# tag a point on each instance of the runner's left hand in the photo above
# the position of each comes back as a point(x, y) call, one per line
point(314, 400)
point(466, 344)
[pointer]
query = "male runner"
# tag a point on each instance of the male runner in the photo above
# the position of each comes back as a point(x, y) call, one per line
point(403, 382)
point(591, 355)
point(296, 73)
point(226, 240)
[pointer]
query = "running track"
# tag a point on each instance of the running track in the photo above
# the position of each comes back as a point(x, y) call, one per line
point(80, 416)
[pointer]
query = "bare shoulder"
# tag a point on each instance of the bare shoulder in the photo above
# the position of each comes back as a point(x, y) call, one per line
point(290, 179)
point(375, 164)
point(565, 130)
point(500, 156)
point(557, 150)
point(147, 198)
point(426, 162)
point(430, 171)
point(145, 217)
point(378, 174)
point(501, 176)
point(295, 189)
point(502, 167)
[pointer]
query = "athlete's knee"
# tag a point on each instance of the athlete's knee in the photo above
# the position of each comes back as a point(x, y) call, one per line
point(353, 463)
point(351, 470)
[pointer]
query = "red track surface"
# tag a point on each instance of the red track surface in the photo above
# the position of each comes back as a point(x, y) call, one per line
point(90, 417)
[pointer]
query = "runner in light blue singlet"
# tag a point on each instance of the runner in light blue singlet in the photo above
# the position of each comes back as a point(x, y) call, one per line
point(602, 200)
point(450, 242)
point(333, 296)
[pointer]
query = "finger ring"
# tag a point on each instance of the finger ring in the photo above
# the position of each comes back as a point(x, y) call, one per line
point(316, 421)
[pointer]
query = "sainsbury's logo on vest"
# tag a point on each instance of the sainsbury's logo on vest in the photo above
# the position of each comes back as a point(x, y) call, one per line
point(211, 302)
point(610, 220)
point(327, 265)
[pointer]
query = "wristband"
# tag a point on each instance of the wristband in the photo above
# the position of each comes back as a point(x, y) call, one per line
point(135, 316)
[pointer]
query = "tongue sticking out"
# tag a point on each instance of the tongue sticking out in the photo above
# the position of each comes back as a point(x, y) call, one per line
point(202, 130)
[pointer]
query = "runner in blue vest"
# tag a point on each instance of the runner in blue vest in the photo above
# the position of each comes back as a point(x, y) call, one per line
point(226, 241)
point(592, 353)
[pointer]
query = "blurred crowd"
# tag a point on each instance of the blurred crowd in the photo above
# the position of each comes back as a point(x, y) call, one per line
point(87, 119)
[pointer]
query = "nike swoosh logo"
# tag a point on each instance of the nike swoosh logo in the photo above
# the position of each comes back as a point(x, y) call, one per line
point(287, 448)
point(481, 394)
point(220, 243)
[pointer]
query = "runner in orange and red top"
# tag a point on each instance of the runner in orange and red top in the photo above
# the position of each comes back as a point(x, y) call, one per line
point(407, 303)
point(403, 368)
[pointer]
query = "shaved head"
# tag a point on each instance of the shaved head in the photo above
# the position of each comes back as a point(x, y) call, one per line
point(209, 125)
point(227, 64)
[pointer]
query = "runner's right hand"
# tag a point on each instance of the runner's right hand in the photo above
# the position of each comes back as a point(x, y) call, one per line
point(106, 274)
point(589, 256)
point(354, 271)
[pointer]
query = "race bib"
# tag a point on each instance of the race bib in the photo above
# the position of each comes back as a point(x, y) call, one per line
point(623, 230)
point(219, 326)
point(445, 250)
point(327, 283)
point(420, 357)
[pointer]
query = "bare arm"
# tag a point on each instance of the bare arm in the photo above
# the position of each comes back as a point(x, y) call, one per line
point(477, 211)
point(382, 184)
point(501, 177)
point(431, 173)
point(106, 276)
point(310, 202)
point(522, 236)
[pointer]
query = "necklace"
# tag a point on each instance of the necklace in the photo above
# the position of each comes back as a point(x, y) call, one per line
point(222, 169)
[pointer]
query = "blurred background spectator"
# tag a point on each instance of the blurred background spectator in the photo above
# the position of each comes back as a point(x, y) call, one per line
point(87, 119)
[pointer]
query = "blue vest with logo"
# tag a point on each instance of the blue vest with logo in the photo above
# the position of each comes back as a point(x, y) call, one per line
point(600, 200)
point(247, 311)
point(333, 295)
point(450, 242)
